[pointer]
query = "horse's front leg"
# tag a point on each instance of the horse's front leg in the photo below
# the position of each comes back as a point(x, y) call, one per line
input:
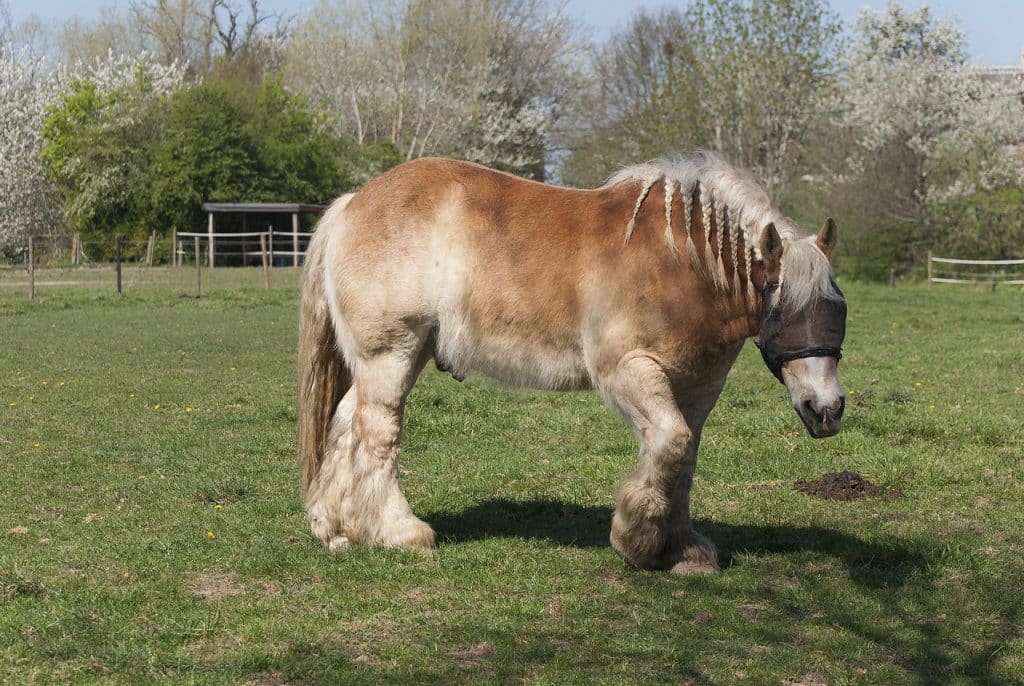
point(651, 528)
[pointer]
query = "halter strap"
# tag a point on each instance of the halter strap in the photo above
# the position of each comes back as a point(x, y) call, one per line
point(775, 362)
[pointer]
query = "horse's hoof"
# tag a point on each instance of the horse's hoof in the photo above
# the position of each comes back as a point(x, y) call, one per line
point(413, 534)
point(338, 543)
point(688, 567)
point(697, 555)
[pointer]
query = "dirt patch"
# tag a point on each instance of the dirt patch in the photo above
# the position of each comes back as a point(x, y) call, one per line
point(271, 678)
point(216, 585)
point(472, 657)
point(844, 486)
point(809, 679)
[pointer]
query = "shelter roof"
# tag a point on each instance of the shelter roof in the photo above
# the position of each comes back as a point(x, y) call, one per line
point(263, 207)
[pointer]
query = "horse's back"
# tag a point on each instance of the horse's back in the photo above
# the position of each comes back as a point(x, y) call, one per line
point(491, 264)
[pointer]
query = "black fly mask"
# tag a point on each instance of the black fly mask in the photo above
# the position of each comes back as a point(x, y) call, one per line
point(816, 331)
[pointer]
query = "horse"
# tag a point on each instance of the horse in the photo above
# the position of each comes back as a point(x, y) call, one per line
point(644, 289)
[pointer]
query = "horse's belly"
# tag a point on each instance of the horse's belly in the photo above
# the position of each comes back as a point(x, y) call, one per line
point(523, 360)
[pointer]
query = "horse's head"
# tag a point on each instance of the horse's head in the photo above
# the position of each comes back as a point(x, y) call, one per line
point(803, 322)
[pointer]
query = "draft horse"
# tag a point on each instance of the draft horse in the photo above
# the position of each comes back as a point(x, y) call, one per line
point(644, 289)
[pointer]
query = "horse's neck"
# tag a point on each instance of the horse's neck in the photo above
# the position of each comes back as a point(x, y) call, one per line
point(741, 320)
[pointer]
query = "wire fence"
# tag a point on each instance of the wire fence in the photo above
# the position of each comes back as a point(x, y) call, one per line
point(188, 262)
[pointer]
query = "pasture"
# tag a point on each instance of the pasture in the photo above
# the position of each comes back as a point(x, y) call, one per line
point(151, 528)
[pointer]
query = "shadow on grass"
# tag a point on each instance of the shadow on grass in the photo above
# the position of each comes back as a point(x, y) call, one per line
point(475, 651)
point(873, 564)
point(904, 576)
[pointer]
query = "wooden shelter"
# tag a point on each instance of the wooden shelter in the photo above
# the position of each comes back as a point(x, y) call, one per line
point(249, 210)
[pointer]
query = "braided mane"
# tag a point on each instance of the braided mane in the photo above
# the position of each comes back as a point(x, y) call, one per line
point(741, 209)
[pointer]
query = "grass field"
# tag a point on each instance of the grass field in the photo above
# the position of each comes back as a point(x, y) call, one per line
point(151, 530)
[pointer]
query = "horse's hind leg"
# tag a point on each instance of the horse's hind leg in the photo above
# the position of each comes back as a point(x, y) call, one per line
point(374, 511)
point(651, 528)
point(357, 497)
point(323, 508)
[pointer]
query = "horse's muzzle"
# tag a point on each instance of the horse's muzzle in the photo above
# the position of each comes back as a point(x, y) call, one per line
point(821, 420)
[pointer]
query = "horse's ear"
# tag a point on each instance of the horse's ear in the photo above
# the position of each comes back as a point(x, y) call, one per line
point(827, 238)
point(771, 251)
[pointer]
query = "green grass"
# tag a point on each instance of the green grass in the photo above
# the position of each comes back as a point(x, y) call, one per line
point(151, 530)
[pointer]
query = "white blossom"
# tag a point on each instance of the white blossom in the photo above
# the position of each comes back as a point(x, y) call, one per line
point(29, 203)
point(906, 82)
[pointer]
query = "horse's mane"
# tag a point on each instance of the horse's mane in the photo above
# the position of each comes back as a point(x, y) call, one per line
point(741, 206)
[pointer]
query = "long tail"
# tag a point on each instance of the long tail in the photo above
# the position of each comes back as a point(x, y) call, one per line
point(324, 377)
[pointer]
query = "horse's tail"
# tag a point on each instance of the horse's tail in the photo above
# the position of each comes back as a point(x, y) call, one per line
point(324, 377)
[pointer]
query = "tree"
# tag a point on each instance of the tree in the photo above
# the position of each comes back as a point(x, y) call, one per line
point(97, 141)
point(224, 36)
point(89, 42)
point(641, 102)
point(923, 134)
point(742, 77)
point(222, 142)
point(175, 30)
point(6, 24)
point(766, 65)
point(438, 76)
point(29, 204)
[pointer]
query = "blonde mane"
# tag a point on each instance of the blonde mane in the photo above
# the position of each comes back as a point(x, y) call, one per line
point(740, 206)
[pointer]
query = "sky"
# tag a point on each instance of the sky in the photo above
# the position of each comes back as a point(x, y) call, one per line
point(994, 28)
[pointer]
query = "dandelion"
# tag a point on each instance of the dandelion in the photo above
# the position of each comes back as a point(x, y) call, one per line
point(188, 409)
point(218, 506)
point(12, 404)
point(61, 383)
point(35, 445)
point(918, 384)
point(131, 395)
point(211, 535)
point(157, 406)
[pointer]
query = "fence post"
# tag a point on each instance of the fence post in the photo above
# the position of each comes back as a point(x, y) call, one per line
point(263, 256)
point(117, 261)
point(76, 246)
point(929, 268)
point(295, 239)
point(892, 277)
point(149, 248)
point(31, 268)
point(270, 240)
point(209, 230)
point(199, 283)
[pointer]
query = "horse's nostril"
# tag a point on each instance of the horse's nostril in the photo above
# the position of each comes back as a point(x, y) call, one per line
point(842, 407)
point(808, 407)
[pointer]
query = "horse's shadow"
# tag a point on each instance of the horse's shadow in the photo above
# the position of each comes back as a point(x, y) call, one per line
point(870, 563)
